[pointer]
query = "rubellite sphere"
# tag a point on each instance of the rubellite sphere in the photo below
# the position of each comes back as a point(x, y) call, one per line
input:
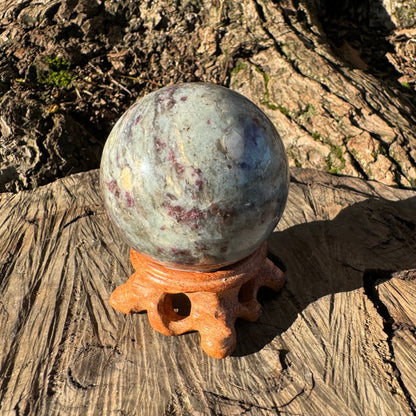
point(195, 176)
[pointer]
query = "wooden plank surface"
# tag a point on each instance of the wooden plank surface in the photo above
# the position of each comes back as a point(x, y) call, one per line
point(339, 339)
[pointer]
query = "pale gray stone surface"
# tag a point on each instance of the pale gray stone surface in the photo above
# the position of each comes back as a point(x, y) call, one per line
point(195, 174)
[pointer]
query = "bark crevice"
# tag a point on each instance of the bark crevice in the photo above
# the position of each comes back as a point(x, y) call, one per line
point(371, 279)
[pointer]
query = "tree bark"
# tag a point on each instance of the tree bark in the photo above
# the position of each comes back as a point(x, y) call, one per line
point(334, 110)
point(337, 339)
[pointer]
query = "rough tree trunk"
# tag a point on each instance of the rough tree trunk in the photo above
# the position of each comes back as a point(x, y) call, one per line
point(339, 339)
point(335, 108)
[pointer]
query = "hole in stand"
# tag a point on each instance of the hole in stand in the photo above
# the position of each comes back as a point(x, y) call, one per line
point(177, 306)
point(181, 304)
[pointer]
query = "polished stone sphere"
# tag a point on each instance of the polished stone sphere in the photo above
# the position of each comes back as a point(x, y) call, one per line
point(195, 176)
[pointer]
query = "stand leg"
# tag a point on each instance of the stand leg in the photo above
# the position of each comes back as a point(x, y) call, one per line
point(224, 296)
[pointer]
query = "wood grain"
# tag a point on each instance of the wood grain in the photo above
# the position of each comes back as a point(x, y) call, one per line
point(339, 339)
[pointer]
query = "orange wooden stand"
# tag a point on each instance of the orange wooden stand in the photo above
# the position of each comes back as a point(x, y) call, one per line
point(207, 302)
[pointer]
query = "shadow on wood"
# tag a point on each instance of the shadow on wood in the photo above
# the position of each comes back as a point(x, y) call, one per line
point(326, 257)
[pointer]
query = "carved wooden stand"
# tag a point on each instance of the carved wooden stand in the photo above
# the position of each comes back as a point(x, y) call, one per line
point(207, 302)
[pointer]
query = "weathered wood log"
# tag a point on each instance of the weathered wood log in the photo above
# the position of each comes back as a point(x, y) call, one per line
point(334, 110)
point(339, 339)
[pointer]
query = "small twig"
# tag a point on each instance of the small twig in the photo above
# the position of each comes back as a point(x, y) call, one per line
point(107, 87)
point(96, 68)
point(119, 85)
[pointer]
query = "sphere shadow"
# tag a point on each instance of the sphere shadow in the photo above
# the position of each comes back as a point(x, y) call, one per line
point(327, 257)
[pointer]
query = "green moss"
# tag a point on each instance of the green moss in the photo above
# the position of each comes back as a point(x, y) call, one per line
point(291, 155)
point(406, 85)
point(308, 112)
point(339, 153)
point(57, 74)
point(266, 94)
point(406, 13)
point(269, 105)
point(383, 149)
point(316, 135)
point(241, 66)
point(335, 161)
point(265, 100)
point(283, 110)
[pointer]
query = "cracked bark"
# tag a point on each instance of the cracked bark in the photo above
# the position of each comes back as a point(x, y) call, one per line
point(301, 72)
point(332, 114)
point(324, 345)
point(401, 315)
point(370, 281)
